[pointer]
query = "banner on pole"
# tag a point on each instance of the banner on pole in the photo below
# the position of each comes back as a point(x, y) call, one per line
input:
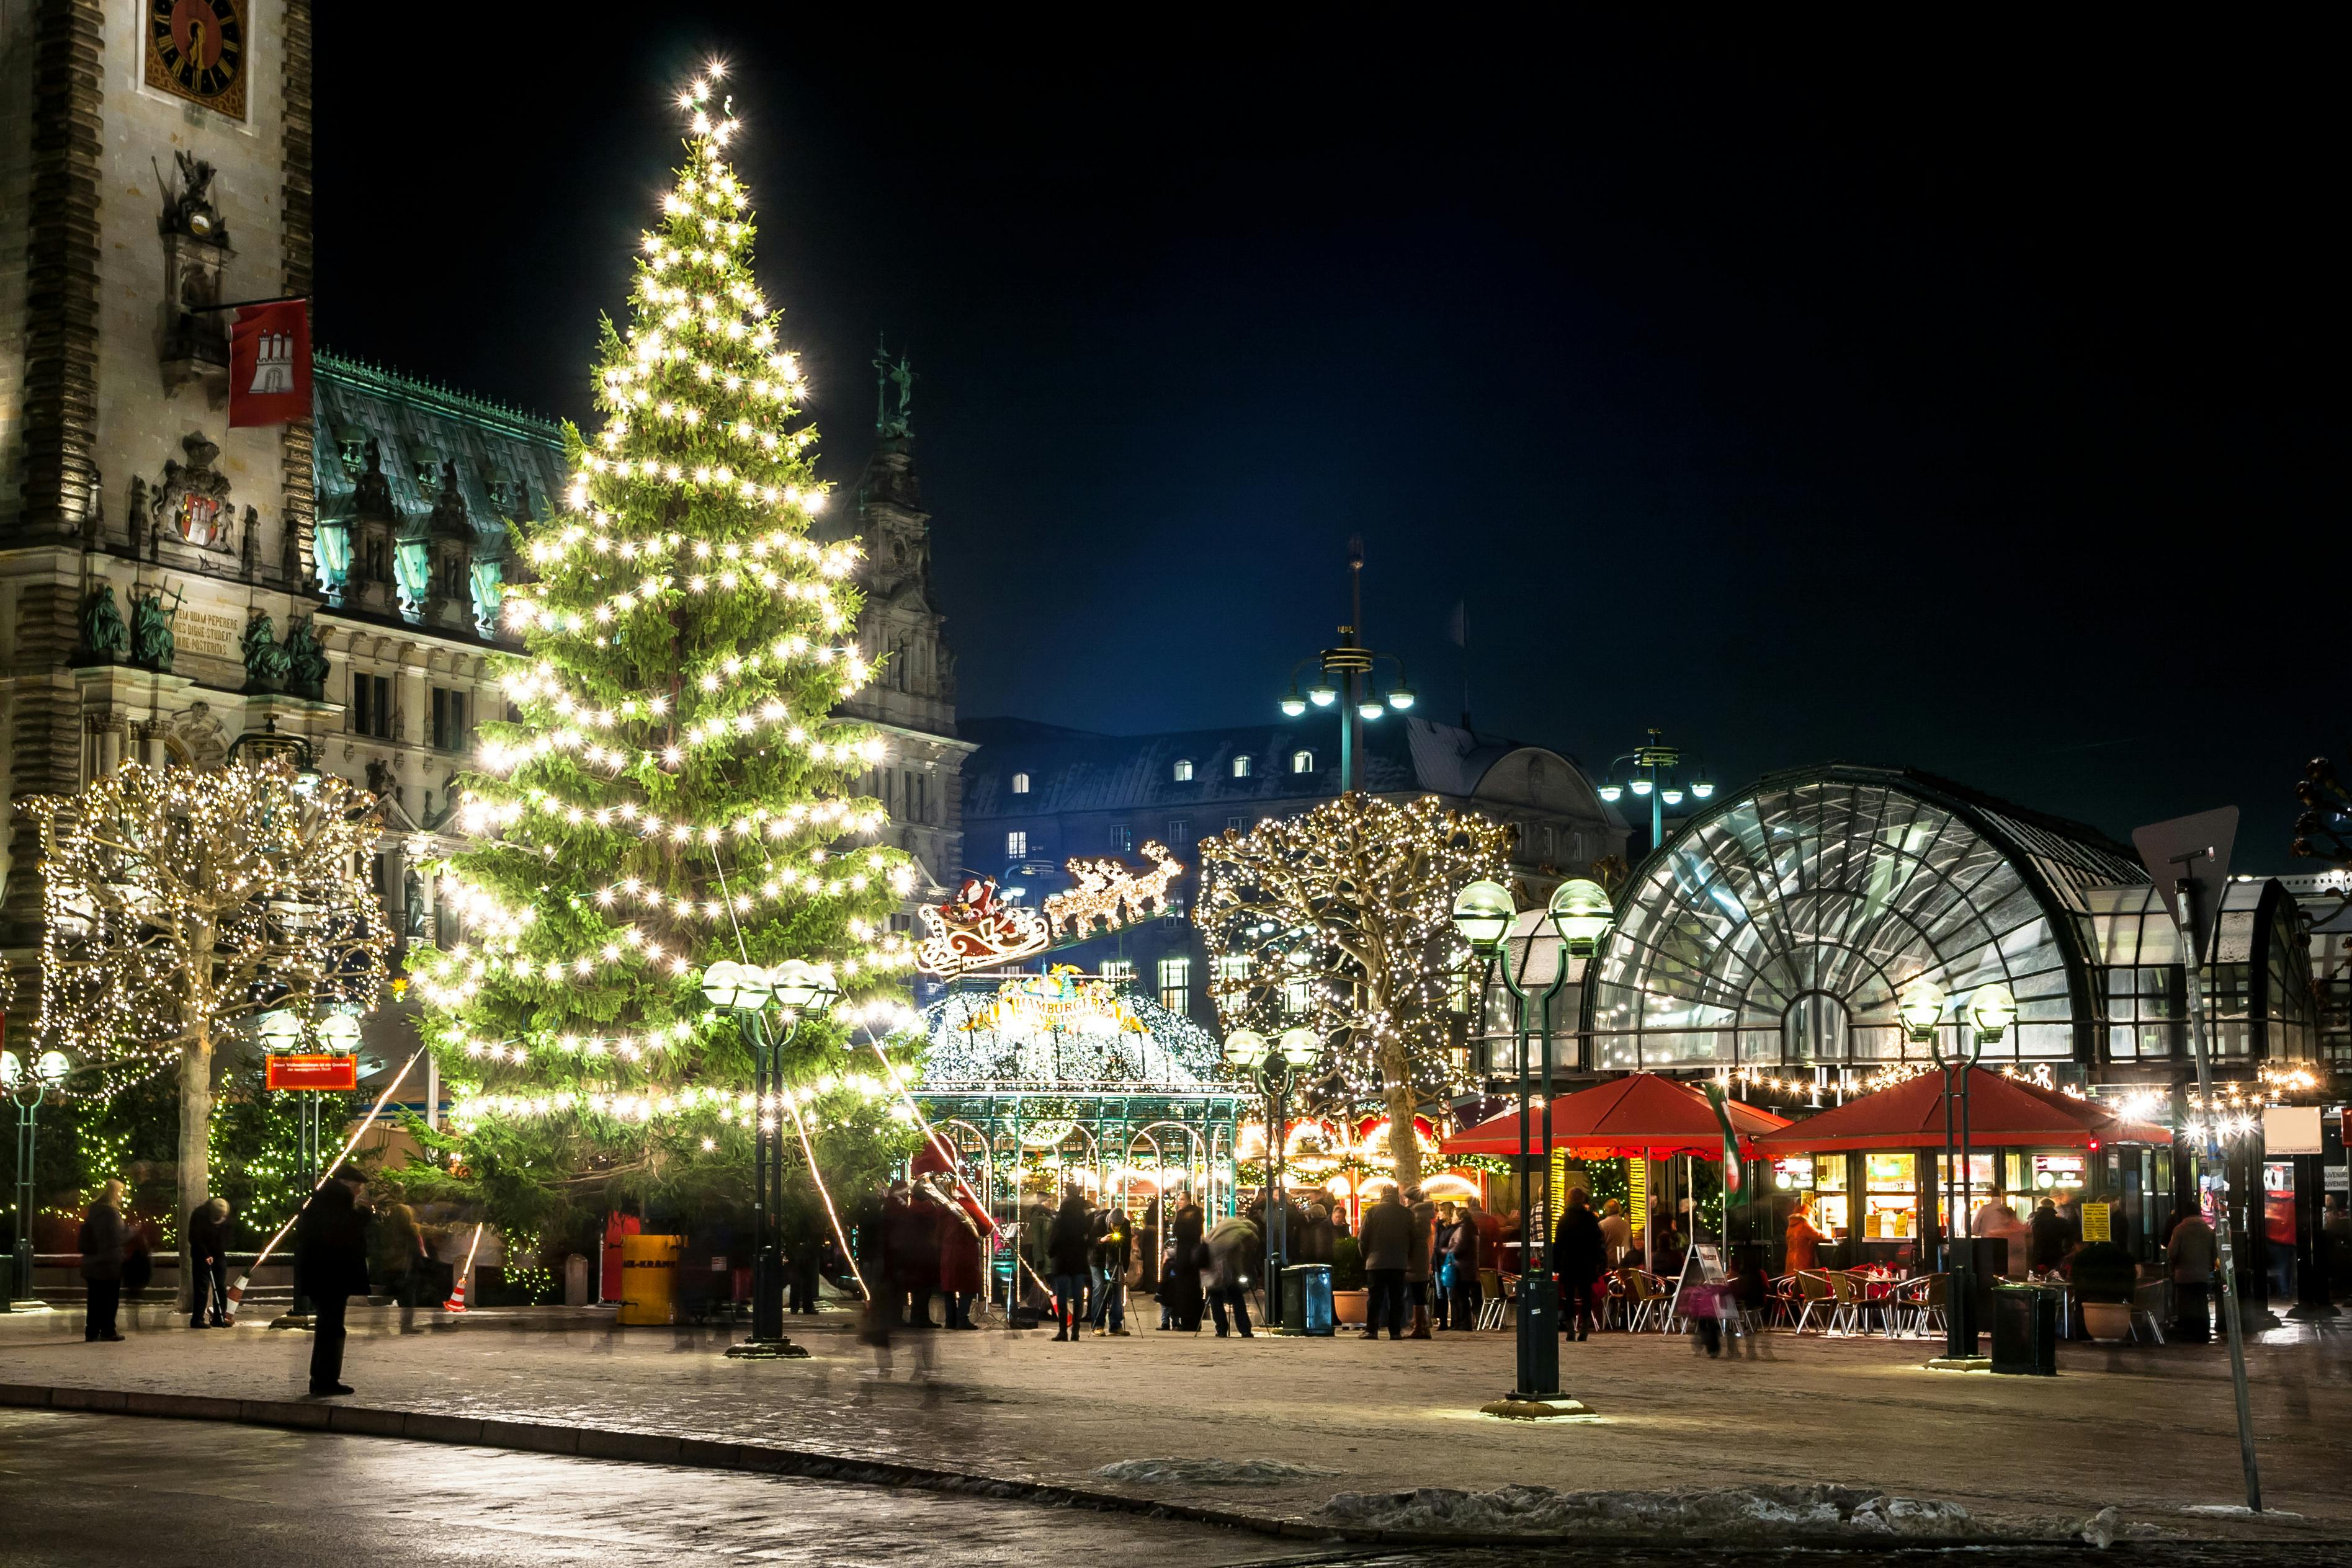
point(320, 1072)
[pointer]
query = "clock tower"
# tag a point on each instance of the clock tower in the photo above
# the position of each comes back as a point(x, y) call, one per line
point(155, 162)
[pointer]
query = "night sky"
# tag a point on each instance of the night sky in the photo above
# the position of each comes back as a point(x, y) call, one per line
point(1982, 415)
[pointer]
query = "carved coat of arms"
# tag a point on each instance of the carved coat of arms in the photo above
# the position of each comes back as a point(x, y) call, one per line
point(193, 496)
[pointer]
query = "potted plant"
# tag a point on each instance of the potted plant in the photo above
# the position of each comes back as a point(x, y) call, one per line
point(1349, 1299)
point(2105, 1280)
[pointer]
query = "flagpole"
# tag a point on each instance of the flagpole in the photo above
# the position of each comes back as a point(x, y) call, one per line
point(241, 304)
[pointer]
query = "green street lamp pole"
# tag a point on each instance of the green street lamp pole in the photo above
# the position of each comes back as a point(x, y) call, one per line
point(798, 989)
point(1652, 776)
point(27, 1090)
point(1991, 1009)
point(1579, 912)
point(1274, 1067)
point(1351, 666)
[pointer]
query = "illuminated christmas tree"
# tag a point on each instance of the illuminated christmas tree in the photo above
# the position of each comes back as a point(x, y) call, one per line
point(1342, 920)
point(674, 792)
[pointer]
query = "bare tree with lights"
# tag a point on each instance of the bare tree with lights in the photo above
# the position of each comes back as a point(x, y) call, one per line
point(1345, 918)
point(176, 903)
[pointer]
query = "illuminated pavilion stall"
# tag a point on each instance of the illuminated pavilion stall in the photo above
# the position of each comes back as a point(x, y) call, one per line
point(1038, 1082)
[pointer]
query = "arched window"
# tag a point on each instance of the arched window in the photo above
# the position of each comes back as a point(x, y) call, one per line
point(1241, 767)
point(1183, 771)
point(1302, 762)
point(1021, 783)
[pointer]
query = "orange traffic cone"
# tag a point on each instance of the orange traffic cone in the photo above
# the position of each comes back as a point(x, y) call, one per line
point(456, 1302)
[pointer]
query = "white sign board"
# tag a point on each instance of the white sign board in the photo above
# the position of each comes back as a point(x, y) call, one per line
point(2290, 1130)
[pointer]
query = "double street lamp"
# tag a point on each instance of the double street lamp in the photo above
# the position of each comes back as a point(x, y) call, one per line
point(796, 989)
point(27, 1090)
point(1484, 913)
point(282, 1032)
point(1274, 1066)
point(1344, 677)
point(1991, 1009)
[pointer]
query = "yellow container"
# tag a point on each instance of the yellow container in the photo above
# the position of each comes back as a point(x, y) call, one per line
point(648, 1279)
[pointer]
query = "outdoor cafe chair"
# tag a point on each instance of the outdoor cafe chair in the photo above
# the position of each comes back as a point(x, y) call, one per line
point(1813, 1288)
point(1645, 1301)
point(1919, 1304)
point(1490, 1303)
point(1855, 1303)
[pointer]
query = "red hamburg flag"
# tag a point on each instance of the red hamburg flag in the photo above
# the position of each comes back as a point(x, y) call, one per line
point(270, 363)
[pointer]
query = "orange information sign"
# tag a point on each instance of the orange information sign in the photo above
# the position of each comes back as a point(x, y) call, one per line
point(320, 1072)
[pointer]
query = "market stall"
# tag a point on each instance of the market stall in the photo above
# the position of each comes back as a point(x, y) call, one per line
point(1872, 1171)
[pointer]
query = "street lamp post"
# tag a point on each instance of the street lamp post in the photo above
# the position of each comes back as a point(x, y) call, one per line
point(1484, 913)
point(1651, 777)
point(796, 988)
point(1274, 1067)
point(1349, 666)
point(27, 1090)
point(1991, 1008)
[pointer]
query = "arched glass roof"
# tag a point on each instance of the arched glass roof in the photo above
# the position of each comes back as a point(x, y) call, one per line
point(1779, 925)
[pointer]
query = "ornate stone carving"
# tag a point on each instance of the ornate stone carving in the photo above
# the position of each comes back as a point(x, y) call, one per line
point(264, 660)
point(199, 733)
point(188, 206)
point(192, 498)
point(306, 659)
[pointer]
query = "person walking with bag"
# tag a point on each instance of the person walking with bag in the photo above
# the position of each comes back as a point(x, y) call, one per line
point(331, 1255)
point(102, 1241)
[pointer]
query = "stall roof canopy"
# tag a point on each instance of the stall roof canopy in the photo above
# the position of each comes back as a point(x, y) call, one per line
point(1625, 1116)
point(2002, 1111)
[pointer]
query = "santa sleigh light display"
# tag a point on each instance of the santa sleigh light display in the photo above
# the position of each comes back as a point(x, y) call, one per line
point(977, 930)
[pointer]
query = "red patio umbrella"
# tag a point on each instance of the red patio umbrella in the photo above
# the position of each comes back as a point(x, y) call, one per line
point(1641, 1114)
point(2002, 1111)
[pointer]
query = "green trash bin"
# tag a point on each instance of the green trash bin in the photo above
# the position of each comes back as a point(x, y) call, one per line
point(1306, 1298)
point(2025, 1331)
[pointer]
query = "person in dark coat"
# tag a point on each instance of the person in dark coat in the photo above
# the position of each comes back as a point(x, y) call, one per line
point(102, 1240)
point(1313, 1242)
point(1579, 1253)
point(1069, 1248)
point(1114, 1250)
point(2050, 1238)
point(1467, 1252)
point(911, 1237)
point(330, 1258)
point(1180, 1282)
point(1385, 1238)
point(961, 1274)
point(208, 1249)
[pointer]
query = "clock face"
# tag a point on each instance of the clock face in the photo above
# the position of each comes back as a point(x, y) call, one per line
point(195, 50)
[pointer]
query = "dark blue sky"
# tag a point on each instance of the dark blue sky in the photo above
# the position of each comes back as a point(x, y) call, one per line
point(1972, 411)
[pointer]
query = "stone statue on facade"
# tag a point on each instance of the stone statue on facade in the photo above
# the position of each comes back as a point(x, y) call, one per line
point(900, 375)
point(103, 634)
point(306, 659)
point(264, 660)
point(153, 646)
point(188, 207)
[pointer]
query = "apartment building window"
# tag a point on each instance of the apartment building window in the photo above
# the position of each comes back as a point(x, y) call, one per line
point(1176, 985)
point(1016, 844)
point(1232, 969)
point(1118, 971)
point(1302, 762)
point(1237, 824)
point(1298, 997)
point(1021, 783)
point(371, 705)
point(452, 728)
point(1241, 767)
point(1183, 771)
point(1179, 834)
point(1122, 838)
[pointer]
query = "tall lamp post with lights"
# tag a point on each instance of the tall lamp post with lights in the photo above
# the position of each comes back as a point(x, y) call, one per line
point(1345, 677)
point(1651, 777)
point(1274, 1066)
point(1579, 912)
point(797, 989)
point(26, 1090)
point(1991, 1009)
point(281, 1033)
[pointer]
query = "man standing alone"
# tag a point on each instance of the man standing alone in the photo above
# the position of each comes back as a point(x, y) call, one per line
point(330, 1264)
point(1386, 1239)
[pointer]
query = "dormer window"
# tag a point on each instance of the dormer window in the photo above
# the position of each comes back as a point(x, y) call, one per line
point(1241, 767)
point(1183, 771)
point(1302, 762)
point(1021, 783)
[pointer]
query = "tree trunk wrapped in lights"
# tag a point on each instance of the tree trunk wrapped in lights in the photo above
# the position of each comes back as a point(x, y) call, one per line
point(673, 792)
point(1344, 917)
point(176, 903)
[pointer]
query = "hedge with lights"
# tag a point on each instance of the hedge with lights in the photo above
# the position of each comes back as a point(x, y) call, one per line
point(1344, 915)
point(673, 790)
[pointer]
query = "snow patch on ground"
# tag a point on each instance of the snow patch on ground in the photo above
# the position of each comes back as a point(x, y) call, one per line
point(1766, 1511)
point(1209, 1473)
